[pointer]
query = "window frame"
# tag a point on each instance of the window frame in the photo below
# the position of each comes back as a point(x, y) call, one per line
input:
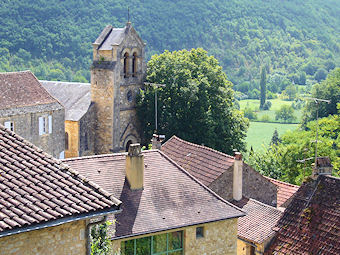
point(9, 125)
point(151, 244)
point(45, 124)
point(200, 235)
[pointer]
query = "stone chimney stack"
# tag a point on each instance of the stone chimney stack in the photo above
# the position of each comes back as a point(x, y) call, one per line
point(323, 166)
point(237, 176)
point(134, 167)
point(157, 141)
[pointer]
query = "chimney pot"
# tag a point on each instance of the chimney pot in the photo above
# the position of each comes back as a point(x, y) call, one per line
point(134, 149)
point(238, 155)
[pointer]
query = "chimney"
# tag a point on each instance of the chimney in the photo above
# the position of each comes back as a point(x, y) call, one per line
point(237, 176)
point(323, 166)
point(134, 167)
point(157, 141)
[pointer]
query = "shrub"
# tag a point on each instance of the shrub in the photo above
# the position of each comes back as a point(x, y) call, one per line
point(267, 105)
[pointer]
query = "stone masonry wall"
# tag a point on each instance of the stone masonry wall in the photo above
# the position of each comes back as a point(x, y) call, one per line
point(219, 238)
point(67, 239)
point(254, 186)
point(26, 124)
point(102, 94)
point(86, 134)
point(257, 187)
point(72, 129)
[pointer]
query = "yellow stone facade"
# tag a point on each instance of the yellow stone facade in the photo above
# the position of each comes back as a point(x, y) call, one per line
point(219, 238)
point(65, 239)
point(245, 248)
point(72, 130)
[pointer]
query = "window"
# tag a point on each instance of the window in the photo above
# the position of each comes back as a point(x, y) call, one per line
point(66, 141)
point(129, 96)
point(252, 250)
point(134, 64)
point(199, 232)
point(126, 65)
point(9, 125)
point(164, 244)
point(45, 125)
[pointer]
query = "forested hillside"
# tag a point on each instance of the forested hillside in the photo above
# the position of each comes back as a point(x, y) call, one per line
point(293, 39)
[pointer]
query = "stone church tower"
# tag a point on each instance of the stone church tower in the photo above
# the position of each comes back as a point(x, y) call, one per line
point(117, 75)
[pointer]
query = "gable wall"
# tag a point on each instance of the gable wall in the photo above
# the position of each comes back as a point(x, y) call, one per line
point(26, 124)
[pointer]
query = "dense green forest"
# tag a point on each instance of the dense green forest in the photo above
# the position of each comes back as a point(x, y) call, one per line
point(294, 40)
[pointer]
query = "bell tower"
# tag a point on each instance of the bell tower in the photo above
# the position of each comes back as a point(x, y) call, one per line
point(117, 74)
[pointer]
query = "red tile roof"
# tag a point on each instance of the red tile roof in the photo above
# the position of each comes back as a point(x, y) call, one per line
point(171, 197)
point(257, 225)
point(18, 89)
point(194, 158)
point(311, 222)
point(285, 191)
point(36, 188)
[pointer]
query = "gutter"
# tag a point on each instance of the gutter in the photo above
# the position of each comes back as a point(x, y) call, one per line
point(59, 222)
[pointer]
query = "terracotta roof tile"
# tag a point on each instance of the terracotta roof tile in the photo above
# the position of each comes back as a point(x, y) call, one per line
point(18, 89)
point(194, 158)
point(311, 222)
point(171, 197)
point(284, 192)
point(35, 188)
point(257, 225)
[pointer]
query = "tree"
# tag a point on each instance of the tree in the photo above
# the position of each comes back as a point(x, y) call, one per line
point(275, 138)
point(320, 74)
point(280, 161)
point(302, 78)
point(263, 87)
point(196, 104)
point(100, 242)
point(328, 89)
point(285, 113)
point(291, 92)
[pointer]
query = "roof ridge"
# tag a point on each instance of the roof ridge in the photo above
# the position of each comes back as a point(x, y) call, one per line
point(16, 72)
point(200, 146)
point(200, 183)
point(73, 82)
point(282, 182)
point(94, 156)
point(265, 205)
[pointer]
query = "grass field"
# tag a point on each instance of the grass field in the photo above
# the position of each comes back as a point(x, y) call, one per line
point(254, 104)
point(261, 133)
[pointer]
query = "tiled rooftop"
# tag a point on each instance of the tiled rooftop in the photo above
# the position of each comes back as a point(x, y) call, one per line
point(311, 222)
point(257, 225)
point(19, 89)
point(171, 197)
point(36, 188)
point(285, 191)
point(194, 158)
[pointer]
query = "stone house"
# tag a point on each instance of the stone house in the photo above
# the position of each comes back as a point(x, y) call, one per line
point(255, 230)
point(79, 115)
point(216, 170)
point(29, 110)
point(165, 209)
point(236, 182)
point(45, 206)
point(311, 222)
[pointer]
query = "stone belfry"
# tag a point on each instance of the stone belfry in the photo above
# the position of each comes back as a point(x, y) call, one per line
point(117, 74)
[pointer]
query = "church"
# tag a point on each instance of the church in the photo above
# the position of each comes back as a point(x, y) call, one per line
point(100, 117)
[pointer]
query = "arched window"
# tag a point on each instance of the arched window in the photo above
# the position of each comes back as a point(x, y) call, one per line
point(134, 64)
point(66, 141)
point(128, 145)
point(126, 65)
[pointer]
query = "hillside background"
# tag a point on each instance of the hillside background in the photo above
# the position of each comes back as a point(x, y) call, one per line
point(291, 38)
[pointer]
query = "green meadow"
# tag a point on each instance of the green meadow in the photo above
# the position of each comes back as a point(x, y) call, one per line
point(260, 133)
